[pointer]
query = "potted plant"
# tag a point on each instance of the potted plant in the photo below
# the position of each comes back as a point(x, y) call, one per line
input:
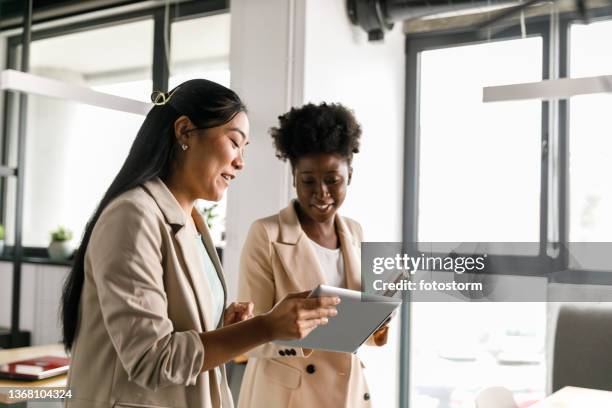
point(209, 214)
point(60, 247)
point(211, 217)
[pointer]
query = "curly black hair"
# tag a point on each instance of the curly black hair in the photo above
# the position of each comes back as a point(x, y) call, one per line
point(311, 129)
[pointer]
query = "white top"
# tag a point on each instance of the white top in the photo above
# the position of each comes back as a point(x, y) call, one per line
point(331, 265)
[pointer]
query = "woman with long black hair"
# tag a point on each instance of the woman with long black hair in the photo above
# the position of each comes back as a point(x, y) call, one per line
point(144, 307)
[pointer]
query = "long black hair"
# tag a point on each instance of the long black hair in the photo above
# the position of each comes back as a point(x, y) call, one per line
point(207, 104)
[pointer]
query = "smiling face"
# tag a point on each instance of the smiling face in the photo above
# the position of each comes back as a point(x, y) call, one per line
point(213, 157)
point(320, 181)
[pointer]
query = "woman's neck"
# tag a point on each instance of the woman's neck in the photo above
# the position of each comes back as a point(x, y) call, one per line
point(323, 233)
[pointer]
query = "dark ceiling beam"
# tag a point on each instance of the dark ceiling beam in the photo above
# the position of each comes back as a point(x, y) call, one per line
point(11, 15)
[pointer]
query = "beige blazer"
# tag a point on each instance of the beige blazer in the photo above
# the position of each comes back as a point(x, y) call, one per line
point(278, 259)
point(144, 301)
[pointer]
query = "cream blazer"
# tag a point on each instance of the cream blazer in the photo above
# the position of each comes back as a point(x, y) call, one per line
point(277, 259)
point(144, 301)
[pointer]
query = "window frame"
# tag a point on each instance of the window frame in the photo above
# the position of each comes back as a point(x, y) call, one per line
point(538, 265)
point(557, 269)
point(563, 274)
point(414, 45)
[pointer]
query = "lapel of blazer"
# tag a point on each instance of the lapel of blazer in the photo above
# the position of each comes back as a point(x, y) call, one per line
point(175, 216)
point(351, 254)
point(295, 252)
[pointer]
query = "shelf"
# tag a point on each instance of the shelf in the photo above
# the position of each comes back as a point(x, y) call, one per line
point(36, 260)
point(23, 338)
point(33, 255)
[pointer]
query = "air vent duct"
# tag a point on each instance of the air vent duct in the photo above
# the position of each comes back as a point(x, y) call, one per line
point(378, 16)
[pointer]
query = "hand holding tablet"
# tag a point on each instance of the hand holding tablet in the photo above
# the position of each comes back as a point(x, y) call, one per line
point(358, 318)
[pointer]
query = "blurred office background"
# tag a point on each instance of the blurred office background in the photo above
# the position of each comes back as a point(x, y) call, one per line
point(436, 162)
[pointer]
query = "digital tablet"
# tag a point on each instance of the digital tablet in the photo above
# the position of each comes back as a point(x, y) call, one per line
point(359, 315)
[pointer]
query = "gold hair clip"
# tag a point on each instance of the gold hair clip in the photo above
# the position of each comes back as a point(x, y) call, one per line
point(161, 98)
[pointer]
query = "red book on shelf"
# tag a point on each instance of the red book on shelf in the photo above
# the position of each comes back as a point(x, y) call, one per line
point(35, 368)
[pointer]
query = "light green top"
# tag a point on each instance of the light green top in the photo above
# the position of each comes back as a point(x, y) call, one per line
point(213, 281)
point(216, 287)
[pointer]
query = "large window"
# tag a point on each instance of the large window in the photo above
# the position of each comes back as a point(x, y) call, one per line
point(200, 49)
point(460, 137)
point(479, 179)
point(73, 150)
point(508, 171)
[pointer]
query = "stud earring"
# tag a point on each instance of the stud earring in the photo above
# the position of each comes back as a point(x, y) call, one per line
point(184, 147)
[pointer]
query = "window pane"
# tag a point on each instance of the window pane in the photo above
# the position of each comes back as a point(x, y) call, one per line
point(74, 150)
point(99, 61)
point(590, 213)
point(200, 49)
point(479, 166)
point(479, 180)
point(459, 349)
point(73, 153)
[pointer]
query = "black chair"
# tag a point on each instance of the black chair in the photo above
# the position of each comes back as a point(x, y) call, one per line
point(583, 347)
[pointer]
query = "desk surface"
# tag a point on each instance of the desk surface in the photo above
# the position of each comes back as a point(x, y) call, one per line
point(573, 397)
point(23, 353)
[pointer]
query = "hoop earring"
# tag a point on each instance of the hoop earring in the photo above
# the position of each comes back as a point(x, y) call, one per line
point(184, 147)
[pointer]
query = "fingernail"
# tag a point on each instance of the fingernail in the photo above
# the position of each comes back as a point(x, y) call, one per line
point(337, 300)
point(334, 312)
point(324, 320)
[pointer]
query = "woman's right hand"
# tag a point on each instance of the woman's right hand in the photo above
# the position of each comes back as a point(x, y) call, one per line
point(296, 316)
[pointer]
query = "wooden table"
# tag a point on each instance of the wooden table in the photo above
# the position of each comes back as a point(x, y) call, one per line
point(23, 353)
point(574, 397)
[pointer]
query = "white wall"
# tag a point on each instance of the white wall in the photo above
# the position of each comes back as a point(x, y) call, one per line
point(342, 66)
point(286, 53)
point(261, 69)
point(275, 65)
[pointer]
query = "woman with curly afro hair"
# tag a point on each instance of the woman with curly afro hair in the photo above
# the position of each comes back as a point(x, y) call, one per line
point(304, 245)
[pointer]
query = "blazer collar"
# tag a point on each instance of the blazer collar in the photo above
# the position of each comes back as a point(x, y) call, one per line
point(290, 228)
point(300, 260)
point(175, 216)
point(166, 202)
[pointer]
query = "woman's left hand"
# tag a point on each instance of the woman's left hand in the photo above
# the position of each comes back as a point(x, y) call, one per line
point(380, 336)
point(238, 312)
